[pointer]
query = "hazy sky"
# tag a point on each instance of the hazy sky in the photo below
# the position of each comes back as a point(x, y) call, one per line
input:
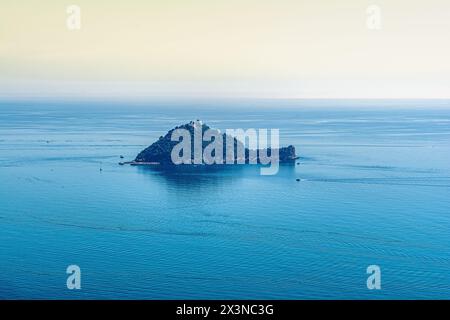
point(225, 48)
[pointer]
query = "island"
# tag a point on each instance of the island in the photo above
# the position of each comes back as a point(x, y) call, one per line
point(228, 149)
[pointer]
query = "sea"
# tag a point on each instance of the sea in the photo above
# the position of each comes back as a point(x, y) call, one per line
point(371, 188)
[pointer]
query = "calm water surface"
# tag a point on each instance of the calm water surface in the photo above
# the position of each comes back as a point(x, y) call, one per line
point(374, 189)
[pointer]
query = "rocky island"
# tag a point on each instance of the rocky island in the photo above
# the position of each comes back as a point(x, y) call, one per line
point(161, 151)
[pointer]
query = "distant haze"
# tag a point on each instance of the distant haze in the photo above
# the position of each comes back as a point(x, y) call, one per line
point(226, 48)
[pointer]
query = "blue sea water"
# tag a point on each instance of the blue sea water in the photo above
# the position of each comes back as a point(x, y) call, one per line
point(374, 189)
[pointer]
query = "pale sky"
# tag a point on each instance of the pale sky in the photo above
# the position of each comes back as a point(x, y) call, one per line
point(225, 48)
